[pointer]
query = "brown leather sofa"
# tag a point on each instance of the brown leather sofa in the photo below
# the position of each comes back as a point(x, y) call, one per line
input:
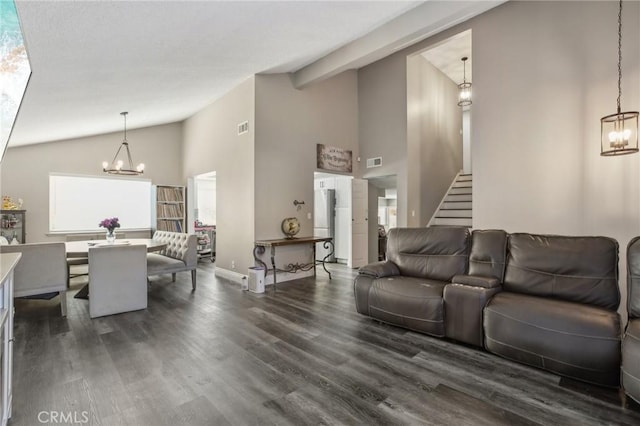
point(631, 341)
point(546, 301)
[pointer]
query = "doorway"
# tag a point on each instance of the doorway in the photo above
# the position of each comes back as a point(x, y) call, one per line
point(203, 208)
point(386, 207)
point(332, 214)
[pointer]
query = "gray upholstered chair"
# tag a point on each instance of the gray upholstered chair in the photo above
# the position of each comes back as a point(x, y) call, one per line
point(181, 254)
point(117, 279)
point(41, 270)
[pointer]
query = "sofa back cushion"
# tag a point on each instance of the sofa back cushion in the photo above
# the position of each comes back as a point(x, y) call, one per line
point(179, 246)
point(436, 253)
point(633, 278)
point(488, 253)
point(42, 268)
point(576, 269)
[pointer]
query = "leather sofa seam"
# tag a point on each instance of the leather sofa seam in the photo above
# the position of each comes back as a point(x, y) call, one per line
point(403, 316)
point(561, 275)
point(408, 296)
point(551, 329)
point(629, 374)
point(544, 357)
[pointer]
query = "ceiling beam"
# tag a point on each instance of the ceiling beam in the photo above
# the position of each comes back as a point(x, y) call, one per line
point(409, 28)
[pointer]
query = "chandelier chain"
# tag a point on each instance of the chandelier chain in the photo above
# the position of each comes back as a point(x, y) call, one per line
point(619, 55)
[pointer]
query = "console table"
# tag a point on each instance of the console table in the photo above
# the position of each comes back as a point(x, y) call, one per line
point(261, 245)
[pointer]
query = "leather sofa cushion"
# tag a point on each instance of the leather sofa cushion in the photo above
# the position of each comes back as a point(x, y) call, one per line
point(577, 269)
point(633, 278)
point(568, 338)
point(631, 360)
point(414, 303)
point(488, 253)
point(436, 253)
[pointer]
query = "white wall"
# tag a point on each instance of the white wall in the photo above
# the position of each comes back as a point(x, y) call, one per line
point(211, 142)
point(25, 169)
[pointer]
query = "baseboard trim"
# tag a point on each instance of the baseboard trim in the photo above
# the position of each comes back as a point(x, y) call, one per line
point(233, 276)
point(237, 277)
point(288, 276)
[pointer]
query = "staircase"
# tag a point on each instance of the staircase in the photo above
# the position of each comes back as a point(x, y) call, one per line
point(455, 208)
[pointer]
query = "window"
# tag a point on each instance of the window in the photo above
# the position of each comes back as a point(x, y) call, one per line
point(79, 203)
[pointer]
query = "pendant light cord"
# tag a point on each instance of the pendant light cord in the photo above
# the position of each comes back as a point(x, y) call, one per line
point(619, 55)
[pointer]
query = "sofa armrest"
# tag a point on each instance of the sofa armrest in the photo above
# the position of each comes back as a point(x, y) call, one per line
point(476, 281)
point(380, 269)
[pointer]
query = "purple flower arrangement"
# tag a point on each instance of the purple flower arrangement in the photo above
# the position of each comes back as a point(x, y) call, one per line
point(110, 224)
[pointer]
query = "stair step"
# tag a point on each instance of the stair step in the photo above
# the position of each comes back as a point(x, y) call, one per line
point(458, 197)
point(464, 178)
point(466, 213)
point(453, 191)
point(457, 205)
point(463, 184)
point(456, 221)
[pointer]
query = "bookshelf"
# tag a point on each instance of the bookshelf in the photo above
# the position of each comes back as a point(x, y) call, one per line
point(169, 208)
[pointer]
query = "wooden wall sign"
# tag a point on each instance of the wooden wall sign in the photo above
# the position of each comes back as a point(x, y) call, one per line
point(335, 159)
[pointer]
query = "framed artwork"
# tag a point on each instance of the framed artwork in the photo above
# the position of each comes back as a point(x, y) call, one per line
point(335, 159)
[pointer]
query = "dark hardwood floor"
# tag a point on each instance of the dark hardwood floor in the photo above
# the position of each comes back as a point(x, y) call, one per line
point(299, 356)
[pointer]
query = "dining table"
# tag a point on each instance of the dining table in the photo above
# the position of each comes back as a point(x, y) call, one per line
point(81, 248)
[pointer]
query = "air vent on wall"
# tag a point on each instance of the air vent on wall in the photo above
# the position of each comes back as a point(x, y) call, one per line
point(374, 162)
point(243, 128)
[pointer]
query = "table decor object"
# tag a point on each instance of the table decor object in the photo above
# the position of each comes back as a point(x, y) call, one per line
point(110, 224)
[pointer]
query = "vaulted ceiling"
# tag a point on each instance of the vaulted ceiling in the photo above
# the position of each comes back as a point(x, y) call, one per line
point(165, 60)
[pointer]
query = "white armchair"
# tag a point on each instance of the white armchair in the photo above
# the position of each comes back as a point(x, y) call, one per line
point(117, 279)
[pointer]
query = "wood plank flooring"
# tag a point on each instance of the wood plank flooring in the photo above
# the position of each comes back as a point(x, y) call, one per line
point(302, 355)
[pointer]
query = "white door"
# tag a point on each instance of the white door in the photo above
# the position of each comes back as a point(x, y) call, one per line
point(359, 224)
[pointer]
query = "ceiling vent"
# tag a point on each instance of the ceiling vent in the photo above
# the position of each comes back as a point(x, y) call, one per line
point(243, 128)
point(374, 162)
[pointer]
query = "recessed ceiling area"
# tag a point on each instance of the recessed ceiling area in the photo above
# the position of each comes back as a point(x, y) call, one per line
point(447, 56)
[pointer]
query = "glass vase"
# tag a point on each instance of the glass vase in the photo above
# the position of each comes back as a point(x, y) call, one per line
point(111, 236)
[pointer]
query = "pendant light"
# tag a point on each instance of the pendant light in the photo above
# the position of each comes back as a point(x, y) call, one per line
point(464, 96)
point(619, 131)
point(117, 166)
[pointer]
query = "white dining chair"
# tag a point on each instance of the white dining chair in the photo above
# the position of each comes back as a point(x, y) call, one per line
point(117, 279)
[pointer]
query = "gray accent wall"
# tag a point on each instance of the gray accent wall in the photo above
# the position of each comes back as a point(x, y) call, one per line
point(408, 115)
point(544, 73)
point(382, 122)
point(434, 138)
point(289, 124)
point(25, 169)
point(211, 143)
